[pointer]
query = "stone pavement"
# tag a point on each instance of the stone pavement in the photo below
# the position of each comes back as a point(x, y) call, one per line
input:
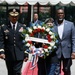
point(73, 67)
point(3, 70)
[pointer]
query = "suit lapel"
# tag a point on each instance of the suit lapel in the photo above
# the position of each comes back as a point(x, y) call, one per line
point(56, 29)
point(64, 30)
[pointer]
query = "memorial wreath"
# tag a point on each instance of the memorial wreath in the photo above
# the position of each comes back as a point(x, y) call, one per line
point(48, 39)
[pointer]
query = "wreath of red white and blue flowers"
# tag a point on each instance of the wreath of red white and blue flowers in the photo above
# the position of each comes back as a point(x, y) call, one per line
point(49, 44)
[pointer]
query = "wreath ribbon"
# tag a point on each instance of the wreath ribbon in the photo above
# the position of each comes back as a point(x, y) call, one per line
point(36, 53)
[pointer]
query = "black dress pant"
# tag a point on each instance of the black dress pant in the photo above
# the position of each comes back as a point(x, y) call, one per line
point(14, 67)
point(67, 62)
point(41, 66)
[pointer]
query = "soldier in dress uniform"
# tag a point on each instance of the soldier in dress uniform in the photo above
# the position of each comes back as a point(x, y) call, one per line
point(11, 45)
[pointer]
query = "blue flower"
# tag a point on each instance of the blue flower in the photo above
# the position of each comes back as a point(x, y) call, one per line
point(55, 47)
point(23, 41)
point(50, 51)
point(56, 41)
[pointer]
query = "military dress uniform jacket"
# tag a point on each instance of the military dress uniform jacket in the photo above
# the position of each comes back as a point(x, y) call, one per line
point(11, 42)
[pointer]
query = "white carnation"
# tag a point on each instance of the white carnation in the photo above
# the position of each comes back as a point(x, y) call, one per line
point(50, 33)
point(27, 38)
point(39, 26)
point(28, 44)
point(48, 29)
point(30, 30)
point(52, 43)
point(27, 35)
point(49, 47)
point(52, 37)
point(42, 51)
point(34, 27)
point(43, 28)
point(46, 50)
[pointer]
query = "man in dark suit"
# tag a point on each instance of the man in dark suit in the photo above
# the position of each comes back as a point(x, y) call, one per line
point(11, 45)
point(66, 48)
point(35, 22)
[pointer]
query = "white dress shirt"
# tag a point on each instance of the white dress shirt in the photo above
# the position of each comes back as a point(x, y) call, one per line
point(61, 29)
point(14, 24)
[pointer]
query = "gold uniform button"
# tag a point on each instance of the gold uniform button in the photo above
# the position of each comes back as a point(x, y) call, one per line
point(14, 37)
point(14, 44)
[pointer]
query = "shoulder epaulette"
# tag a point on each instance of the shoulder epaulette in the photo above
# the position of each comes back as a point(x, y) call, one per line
point(2, 25)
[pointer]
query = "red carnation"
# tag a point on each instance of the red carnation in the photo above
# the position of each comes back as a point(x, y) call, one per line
point(48, 36)
point(49, 39)
point(42, 30)
point(45, 46)
point(34, 31)
point(31, 34)
point(38, 30)
point(30, 42)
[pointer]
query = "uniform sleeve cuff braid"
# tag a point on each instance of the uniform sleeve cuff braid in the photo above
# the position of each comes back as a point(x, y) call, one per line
point(1, 50)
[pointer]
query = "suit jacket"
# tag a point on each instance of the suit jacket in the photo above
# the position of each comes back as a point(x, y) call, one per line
point(36, 23)
point(67, 44)
point(11, 42)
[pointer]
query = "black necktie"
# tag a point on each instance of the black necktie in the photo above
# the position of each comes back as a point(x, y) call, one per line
point(13, 27)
